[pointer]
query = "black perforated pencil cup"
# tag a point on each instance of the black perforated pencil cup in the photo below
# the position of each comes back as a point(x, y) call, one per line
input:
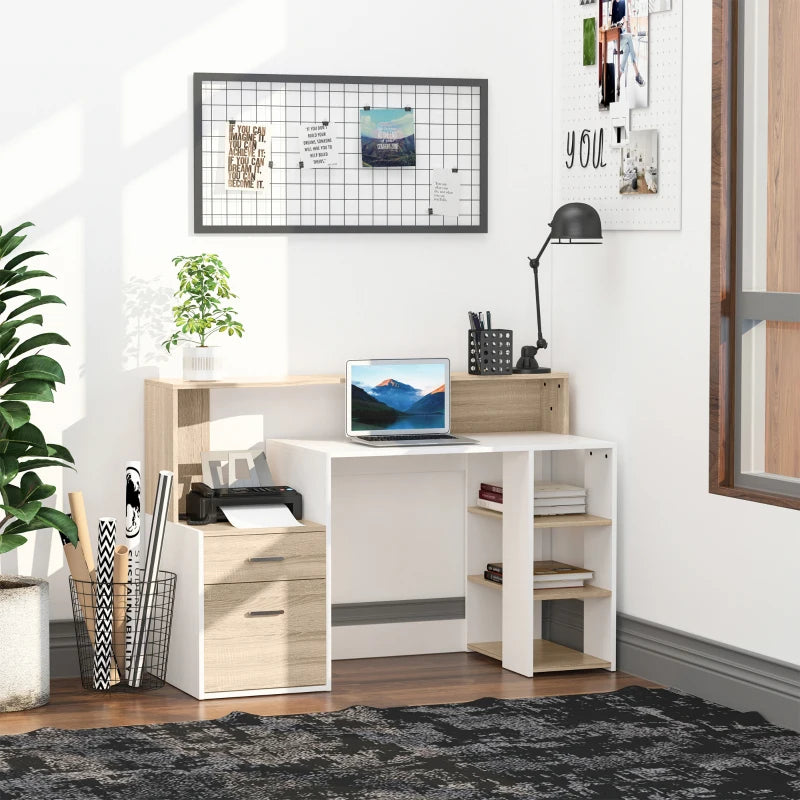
point(123, 633)
point(490, 351)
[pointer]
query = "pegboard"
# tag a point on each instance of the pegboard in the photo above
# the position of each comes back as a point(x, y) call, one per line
point(450, 118)
point(577, 93)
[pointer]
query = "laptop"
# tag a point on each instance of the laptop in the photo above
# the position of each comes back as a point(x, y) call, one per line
point(402, 401)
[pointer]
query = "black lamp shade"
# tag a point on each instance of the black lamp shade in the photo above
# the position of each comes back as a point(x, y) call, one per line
point(576, 221)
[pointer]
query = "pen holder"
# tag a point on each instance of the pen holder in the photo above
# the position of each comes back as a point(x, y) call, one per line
point(490, 352)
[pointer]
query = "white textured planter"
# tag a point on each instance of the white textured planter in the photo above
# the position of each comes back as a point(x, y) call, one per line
point(202, 363)
point(24, 643)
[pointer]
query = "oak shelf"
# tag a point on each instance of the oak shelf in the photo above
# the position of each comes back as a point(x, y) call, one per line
point(560, 593)
point(547, 656)
point(554, 521)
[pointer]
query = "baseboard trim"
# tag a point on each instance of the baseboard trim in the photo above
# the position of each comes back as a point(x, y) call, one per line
point(393, 611)
point(63, 649)
point(727, 675)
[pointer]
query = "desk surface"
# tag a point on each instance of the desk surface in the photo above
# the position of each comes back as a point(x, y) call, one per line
point(487, 443)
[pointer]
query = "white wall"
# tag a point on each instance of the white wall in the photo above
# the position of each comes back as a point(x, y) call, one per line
point(95, 147)
point(631, 324)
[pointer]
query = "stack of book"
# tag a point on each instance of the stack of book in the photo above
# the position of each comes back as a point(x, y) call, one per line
point(546, 574)
point(548, 498)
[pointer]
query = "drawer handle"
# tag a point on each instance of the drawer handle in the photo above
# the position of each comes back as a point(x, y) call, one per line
point(259, 559)
point(264, 613)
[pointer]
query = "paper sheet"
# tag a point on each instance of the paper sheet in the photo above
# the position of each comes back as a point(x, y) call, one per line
point(445, 192)
point(263, 516)
point(319, 144)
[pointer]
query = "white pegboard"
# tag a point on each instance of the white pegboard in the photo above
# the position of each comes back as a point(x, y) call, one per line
point(577, 93)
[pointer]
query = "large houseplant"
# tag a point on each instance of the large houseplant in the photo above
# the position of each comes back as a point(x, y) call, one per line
point(26, 375)
point(203, 287)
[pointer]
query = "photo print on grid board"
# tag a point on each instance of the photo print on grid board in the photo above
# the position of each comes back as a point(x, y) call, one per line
point(638, 166)
point(624, 52)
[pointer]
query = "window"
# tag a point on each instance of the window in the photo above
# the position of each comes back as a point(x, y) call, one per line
point(755, 269)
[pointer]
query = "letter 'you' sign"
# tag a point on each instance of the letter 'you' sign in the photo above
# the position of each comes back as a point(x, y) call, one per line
point(247, 155)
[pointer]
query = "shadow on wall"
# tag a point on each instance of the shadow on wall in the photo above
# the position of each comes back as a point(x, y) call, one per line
point(129, 123)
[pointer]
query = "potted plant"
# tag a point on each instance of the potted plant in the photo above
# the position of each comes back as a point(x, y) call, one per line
point(26, 375)
point(203, 285)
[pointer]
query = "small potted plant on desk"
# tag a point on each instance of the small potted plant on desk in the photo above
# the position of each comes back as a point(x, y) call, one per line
point(25, 375)
point(203, 286)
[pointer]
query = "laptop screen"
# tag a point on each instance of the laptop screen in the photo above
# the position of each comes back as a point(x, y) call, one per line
point(404, 395)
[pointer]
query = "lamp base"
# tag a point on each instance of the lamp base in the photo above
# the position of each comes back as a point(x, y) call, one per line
point(527, 364)
point(537, 371)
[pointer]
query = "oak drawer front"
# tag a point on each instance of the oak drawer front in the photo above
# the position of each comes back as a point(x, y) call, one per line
point(264, 557)
point(264, 635)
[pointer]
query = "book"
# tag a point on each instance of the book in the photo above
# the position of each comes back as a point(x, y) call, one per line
point(548, 570)
point(491, 487)
point(493, 577)
point(543, 490)
point(490, 504)
point(549, 511)
point(486, 495)
point(549, 502)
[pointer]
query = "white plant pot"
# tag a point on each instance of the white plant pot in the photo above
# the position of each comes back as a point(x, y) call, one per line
point(24, 643)
point(202, 363)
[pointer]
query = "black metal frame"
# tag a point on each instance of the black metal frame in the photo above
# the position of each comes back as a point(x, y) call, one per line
point(199, 227)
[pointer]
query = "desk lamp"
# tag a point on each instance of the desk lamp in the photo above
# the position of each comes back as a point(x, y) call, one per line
point(573, 223)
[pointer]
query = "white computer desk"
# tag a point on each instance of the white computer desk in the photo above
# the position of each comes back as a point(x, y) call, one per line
point(501, 622)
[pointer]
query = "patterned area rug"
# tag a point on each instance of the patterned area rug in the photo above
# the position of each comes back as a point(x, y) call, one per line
point(634, 743)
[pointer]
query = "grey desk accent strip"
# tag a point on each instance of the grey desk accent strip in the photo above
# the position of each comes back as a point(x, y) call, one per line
point(428, 610)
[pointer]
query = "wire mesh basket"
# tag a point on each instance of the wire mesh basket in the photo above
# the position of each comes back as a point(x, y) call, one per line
point(489, 351)
point(91, 625)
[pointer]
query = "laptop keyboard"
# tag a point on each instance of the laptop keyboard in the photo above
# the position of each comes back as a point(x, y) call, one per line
point(407, 437)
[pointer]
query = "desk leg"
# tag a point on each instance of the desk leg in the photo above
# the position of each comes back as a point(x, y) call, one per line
point(518, 616)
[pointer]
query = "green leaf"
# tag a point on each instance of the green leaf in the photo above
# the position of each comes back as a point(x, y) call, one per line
point(38, 367)
point(15, 414)
point(32, 488)
point(27, 434)
point(26, 513)
point(9, 241)
point(38, 463)
point(9, 469)
point(18, 259)
point(10, 541)
point(38, 390)
point(45, 299)
point(13, 324)
point(59, 451)
point(61, 522)
point(12, 293)
point(40, 340)
point(13, 277)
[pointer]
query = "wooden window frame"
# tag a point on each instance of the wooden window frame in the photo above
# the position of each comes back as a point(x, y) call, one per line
point(724, 160)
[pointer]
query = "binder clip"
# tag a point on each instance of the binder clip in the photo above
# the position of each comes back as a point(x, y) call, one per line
point(407, 108)
point(366, 108)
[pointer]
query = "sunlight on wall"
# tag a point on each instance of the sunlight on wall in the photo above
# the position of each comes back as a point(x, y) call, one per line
point(243, 36)
point(41, 161)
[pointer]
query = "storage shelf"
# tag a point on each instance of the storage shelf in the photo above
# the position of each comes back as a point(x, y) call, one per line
point(561, 593)
point(554, 521)
point(547, 656)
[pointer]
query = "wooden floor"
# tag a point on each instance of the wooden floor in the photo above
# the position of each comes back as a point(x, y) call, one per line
point(406, 680)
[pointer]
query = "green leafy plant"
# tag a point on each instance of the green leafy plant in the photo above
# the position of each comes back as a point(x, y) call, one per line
point(26, 375)
point(203, 283)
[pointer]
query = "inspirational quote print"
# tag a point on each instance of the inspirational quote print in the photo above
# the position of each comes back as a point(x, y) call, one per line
point(247, 155)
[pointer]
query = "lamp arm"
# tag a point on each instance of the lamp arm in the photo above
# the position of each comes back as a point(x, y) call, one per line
point(534, 264)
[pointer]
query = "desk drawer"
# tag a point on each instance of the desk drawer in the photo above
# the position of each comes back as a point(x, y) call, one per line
point(264, 635)
point(264, 557)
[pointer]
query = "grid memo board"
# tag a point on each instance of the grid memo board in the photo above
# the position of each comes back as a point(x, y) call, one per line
point(450, 118)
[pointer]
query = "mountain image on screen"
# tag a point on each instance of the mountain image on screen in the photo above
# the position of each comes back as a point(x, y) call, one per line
point(393, 405)
point(395, 394)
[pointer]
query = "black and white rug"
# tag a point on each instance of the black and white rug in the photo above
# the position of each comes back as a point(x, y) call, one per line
point(634, 743)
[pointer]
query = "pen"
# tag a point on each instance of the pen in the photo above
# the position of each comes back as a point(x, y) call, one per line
point(480, 319)
point(471, 320)
point(489, 320)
